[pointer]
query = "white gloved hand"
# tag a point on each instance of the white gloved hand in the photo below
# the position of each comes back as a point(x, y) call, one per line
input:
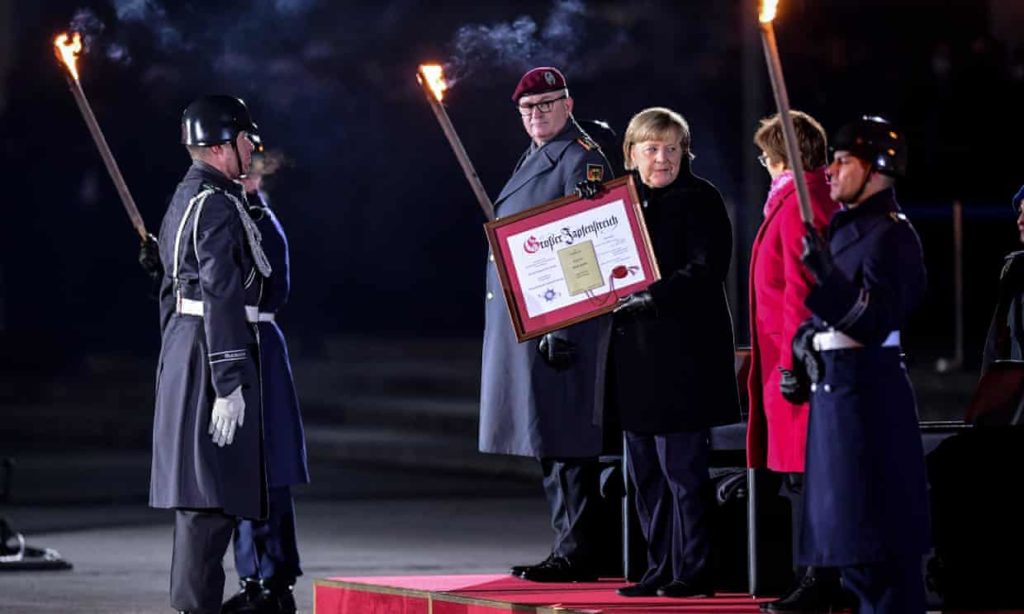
point(228, 414)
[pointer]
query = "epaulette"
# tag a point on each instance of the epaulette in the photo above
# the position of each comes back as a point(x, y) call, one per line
point(588, 143)
point(897, 216)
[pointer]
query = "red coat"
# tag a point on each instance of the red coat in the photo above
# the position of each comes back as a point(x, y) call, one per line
point(777, 429)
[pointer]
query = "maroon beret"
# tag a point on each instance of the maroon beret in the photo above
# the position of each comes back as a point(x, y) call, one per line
point(539, 81)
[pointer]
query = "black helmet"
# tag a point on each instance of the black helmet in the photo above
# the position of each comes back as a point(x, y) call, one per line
point(876, 141)
point(212, 120)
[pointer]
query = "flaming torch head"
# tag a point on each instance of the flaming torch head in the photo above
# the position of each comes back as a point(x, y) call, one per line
point(67, 48)
point(768, 9)
point(433, 76)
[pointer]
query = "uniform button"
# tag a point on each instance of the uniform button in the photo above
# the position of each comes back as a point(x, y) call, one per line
point(490, 295)
point(491, 257)
point(828, 388)
point(814, 387)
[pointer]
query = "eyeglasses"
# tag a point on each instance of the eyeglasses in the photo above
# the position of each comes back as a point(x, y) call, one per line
point(763, 159)
point(544, 106)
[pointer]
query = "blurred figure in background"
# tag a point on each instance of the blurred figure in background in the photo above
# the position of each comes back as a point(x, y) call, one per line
point(1005, 340)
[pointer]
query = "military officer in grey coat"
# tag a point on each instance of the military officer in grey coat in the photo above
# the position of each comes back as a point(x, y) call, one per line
point(544, 398)
point(207, 427)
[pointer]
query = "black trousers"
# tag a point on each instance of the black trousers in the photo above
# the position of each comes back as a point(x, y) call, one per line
point(889, 587)
point(673, 501)
point(573, 490)
point(267, 549)
point(201, 539)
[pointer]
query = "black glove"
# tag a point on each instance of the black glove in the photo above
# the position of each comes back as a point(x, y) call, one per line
point(805, 357)
point(636, 303)
point(556, 352)
point(795, 386)
point(816, 256)
point(588, 189)
point(149, 257)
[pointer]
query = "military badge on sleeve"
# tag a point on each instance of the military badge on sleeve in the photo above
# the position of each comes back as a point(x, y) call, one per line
point(595, 172)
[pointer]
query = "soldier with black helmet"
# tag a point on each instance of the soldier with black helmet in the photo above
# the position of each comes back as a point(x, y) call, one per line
point(866, 507)
point(207, 442)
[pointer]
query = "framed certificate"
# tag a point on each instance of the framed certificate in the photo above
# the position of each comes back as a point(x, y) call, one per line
point(571, 259)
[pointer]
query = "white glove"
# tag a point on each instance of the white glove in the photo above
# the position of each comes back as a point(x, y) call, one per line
point(228, 414)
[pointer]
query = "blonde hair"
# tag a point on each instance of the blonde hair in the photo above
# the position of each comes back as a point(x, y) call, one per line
point(810, 137)
point(655, 124)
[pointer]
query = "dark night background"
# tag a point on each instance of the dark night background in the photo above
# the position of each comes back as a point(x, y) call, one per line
point(385, 234)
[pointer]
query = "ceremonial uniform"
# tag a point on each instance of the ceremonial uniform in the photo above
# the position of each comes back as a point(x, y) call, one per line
point(866, 508)
point(213, 280)
point(527, 407)
point(267, 549)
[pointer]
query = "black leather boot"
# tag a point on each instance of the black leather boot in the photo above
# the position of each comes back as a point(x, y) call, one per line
point(279, 596)
point(251, 599)
point(817, 591)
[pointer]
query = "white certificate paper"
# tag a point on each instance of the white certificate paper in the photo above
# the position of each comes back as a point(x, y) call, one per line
point(543, 274)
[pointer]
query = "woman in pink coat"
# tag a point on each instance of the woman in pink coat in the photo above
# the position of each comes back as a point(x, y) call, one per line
point(777, 428)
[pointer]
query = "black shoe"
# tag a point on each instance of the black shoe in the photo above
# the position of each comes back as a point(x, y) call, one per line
point(517, 570)
point(282, 600)
point(559, 569)
point(249, 599)
point(818, 591)
point(638, 590)
point(682, 588)
point(258, 597)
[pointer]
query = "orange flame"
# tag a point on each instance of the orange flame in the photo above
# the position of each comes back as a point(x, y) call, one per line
point(434, 76)
point(768, 9)
point(67, 49)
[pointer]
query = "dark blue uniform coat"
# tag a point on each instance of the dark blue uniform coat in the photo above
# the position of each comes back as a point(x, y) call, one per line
point(865, 483)
point(202, 358)
point(282, 423)
point(528, 408)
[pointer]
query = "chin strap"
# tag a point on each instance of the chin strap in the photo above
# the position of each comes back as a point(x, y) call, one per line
point(863, 184)
point(238, 158)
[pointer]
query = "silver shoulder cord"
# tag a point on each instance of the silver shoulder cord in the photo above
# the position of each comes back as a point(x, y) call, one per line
point(196, 202)
point(252, 235)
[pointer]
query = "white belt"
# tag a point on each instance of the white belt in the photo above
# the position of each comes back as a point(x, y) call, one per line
point(192, 307)
point(835, 340)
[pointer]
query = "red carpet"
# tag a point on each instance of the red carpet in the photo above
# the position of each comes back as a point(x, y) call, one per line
point(486, 594)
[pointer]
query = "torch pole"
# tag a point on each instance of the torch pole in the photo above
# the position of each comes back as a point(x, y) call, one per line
point(771, 55)
point(460, 152)
point(108, 157)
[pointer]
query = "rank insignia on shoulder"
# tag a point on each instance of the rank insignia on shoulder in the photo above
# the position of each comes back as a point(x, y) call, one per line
point(595, 172)
point(587, 143)
point(897, 216)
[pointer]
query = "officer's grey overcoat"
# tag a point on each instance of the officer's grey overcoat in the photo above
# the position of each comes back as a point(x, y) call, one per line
point(202, 358)
point(528, 408)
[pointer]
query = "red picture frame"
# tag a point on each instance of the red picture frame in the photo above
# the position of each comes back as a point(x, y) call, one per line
point(571, 259)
